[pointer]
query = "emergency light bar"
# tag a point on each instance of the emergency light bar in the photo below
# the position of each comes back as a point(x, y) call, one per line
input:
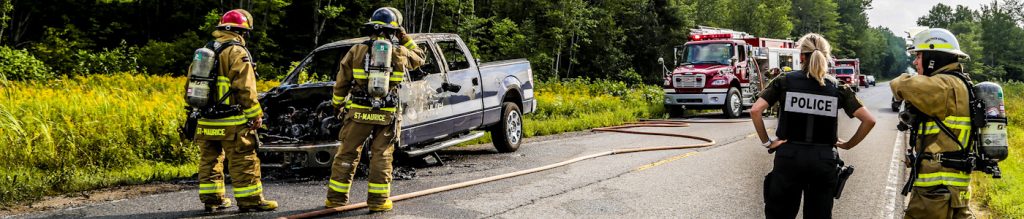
point(698, 37)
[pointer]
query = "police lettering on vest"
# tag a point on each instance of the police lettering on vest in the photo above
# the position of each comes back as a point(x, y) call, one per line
point(812, 104)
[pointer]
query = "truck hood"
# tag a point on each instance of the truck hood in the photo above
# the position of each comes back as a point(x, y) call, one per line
point(700, 68)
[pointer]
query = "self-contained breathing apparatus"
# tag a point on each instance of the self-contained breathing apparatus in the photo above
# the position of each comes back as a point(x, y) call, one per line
point(377, 64)
point(203, 91)
point(987, 143)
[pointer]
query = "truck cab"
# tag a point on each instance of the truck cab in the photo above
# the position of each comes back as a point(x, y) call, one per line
point(848, 72)
point(723, 69)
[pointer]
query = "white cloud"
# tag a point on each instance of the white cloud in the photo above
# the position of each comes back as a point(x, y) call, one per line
point(901, 15)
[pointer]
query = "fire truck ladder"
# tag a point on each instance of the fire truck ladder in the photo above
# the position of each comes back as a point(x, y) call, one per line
point(715, 30)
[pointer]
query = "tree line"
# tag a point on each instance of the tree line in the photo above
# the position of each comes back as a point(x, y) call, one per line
point(608, 39)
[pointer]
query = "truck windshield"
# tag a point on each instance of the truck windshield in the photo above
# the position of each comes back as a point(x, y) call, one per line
point(715, 53)
point(844, 71)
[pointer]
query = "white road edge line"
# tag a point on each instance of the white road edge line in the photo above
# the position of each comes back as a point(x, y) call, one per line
point(891, 191)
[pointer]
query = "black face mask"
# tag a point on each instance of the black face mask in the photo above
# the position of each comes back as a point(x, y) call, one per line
point(932, 61)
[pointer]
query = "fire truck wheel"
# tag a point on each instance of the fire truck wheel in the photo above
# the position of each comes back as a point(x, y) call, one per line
point(675, 111)
point(733, 104)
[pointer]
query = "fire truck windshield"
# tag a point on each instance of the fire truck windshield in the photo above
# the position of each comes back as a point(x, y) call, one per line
point(844, 71)
point(712, 53)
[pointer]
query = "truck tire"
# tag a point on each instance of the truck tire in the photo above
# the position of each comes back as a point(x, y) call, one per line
point(508, 133)
point(733, 104)
point(675, 111)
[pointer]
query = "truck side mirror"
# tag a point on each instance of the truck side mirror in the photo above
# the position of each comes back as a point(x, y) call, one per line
point(733, 60)
point(661, 61)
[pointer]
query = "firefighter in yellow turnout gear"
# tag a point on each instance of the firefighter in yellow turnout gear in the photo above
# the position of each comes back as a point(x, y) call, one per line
point(938, 192)
point(233, 135)
point(368, 111)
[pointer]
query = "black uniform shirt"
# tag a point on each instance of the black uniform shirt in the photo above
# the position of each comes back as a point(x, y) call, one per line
point(847, 98)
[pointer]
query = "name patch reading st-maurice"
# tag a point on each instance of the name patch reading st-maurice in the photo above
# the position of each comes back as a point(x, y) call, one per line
point(812, 104)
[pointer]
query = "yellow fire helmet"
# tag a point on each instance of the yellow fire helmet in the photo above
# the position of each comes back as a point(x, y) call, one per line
point(937, 39)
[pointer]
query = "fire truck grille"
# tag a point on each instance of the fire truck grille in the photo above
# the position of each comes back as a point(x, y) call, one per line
point(688, 81)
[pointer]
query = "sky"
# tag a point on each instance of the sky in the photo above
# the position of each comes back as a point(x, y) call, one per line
point(901, 15)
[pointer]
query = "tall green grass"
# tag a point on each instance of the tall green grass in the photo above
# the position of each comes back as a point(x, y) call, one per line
point(75, 134)
point(1005, 197)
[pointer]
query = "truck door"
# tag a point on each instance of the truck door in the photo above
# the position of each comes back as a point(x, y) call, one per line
point(466, 104)
point(424, 105)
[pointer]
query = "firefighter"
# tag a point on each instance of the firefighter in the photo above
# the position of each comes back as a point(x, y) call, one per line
point(235, 134)
point(938, 192)
point(806, 160)
point(371, 108)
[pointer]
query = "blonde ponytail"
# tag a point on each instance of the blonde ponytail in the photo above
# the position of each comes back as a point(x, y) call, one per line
point(817, 64)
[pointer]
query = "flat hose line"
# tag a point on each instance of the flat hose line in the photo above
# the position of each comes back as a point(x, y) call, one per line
point(643, 123)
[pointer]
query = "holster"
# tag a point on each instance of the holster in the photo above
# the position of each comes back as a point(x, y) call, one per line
point(844, 174)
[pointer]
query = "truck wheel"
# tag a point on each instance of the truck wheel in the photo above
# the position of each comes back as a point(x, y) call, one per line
point(508, 133)
point(733, 104)
point(675, 111)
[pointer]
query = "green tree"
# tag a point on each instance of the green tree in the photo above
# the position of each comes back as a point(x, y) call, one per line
point(816, 16)
point(940, 16)
point(5, 9)
point(764, 18)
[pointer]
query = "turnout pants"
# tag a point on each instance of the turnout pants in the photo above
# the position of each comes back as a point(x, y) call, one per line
point(939, 202)
point(244, 169)
point(382, 147)
point(801, 170)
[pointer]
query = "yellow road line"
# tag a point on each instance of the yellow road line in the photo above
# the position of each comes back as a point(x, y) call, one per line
point(660, 162)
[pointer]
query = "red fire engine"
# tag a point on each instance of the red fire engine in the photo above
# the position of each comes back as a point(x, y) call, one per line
point(724, 69)
point(848, 72)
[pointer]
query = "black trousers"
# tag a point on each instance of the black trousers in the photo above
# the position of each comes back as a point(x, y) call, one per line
point(810, 171)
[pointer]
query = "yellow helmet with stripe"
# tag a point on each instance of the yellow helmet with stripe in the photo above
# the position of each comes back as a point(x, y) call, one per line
point(939, 40)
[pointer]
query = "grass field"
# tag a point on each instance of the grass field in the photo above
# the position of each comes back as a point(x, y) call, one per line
point(84, 133)
point(1005, 197)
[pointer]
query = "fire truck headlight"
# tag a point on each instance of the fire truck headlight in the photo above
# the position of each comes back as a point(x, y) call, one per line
point(718, 82)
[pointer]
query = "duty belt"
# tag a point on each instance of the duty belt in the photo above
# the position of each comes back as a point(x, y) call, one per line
point(804, 143)
point(955, 160)
point(389, 102)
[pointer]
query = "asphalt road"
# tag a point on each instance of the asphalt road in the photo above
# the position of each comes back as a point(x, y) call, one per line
point(723, 181)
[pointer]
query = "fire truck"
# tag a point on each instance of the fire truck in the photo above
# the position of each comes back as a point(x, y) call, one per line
point(848, 72)
point(724, 69)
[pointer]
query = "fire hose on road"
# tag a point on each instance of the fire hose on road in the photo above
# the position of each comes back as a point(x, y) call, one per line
point(619, 129)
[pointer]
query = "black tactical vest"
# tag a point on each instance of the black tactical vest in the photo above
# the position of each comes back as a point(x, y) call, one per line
point(809, 111)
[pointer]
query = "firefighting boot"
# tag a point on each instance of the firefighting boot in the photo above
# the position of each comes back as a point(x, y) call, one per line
point(387, 206)
point(264, 205)
point(225, 203)
point(329, 204)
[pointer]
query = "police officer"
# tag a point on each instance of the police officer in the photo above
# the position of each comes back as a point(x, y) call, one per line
point(372, 108)
point(806, 161)
point(235, 134)
point(939, 191)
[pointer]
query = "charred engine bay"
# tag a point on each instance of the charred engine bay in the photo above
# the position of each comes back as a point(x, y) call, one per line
point(300, 113)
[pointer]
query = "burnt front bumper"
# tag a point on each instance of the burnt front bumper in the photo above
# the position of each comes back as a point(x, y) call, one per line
point(297, 156)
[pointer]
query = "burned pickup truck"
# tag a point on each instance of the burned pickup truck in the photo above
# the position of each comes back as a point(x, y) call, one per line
point(451, 99)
